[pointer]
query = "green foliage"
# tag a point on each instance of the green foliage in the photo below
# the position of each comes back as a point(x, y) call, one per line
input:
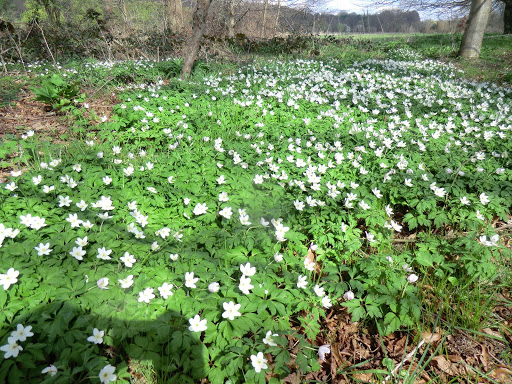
point(170, 69)
point(56, 92)
point(265, 168)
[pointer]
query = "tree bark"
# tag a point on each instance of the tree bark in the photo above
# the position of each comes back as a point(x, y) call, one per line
point(507, 17)
point(264, 19)
point(231, 19)
point(277, 17)
point(194, 42)
point(475, 28)
point(175, 11)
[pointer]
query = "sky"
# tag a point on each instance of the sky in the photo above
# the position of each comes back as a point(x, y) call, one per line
point(358, 6)
point(349, 5)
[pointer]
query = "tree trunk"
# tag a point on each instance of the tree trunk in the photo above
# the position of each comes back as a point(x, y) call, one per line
point(475, 28)
point(264, 19)
point(194, 42)
point(231, 19)
point(277, 17)
point(507, 17)
point(175, 11)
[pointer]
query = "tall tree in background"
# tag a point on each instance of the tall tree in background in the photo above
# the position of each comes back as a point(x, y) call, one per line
point(457, 6)
point(175, 11)
point(194, 43)
point(507, 17)
point(476, 22)
point(475, 28)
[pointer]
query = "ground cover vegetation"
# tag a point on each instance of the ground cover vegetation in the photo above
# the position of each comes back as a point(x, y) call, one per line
point(323, 220)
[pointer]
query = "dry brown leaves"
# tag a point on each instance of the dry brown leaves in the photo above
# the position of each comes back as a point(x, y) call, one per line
point(355, 351)
point(26, 114)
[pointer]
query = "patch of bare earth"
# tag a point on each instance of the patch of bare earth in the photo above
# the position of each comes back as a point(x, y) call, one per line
point(26, 114)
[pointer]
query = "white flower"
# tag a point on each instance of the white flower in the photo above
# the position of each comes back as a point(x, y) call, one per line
point(43, 249)
point(247, 270)
point(200, 209)
point(278, 257)
point(464, 200)
point(82, 205)
point(104, 253)
point(302, 282)
point(377, 193)
point(389, 210)
point(97, 336)
point(190, 280)
point(102, 283)
point(74, 220)
point(51, 370)
point(107, 374)
point(349, 295)
point(479, 215)
point(174, 256)
point(364, 205)
point(484, 199)
point(268, 339)
point(214, 287)
point(370, 237)
point(226, 213)
point(107, 180)
point(11, 186)
point(21, 333)
point(127, 282)
point(12, 348)
point(231, 310)
point(245, 285)
point(146, 296)
point(78, 253)
point(412, 278)
point(319, 290)
point(10, 278)
point(223, 197)
point(48, 189)
point(439, 192)
point(309, 265)
point(323, 350)
point(37, 179)
point(128, 260)
point(196, 324)
point(492, 242)
point(259, 362)
point(87, 224)
point(299, 205)
point(64, 201)
point(165, 290)
point(326, 302)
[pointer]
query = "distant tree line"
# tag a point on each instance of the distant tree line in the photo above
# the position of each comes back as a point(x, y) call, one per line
point(116, 29)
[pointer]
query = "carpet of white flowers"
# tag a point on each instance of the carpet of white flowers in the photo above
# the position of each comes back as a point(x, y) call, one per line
point(210, 227)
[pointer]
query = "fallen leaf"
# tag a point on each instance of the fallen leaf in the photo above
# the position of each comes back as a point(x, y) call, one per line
point(501, 374)
point(430, 337)
point(448, 367)
point(485, 358)
point(493, 333)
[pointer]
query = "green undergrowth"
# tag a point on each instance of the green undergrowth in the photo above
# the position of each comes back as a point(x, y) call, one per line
point(206, 229)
